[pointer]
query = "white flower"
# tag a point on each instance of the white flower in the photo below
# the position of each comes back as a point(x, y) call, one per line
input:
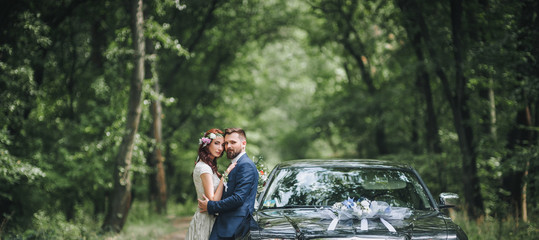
point(339, 205)
point(365, 204)
point(212, 136)
point(358, 211)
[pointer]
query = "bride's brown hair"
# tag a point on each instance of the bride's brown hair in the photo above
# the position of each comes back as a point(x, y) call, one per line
point(204, 154)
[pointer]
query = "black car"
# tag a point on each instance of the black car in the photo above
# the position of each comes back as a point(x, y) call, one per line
point(350, 199)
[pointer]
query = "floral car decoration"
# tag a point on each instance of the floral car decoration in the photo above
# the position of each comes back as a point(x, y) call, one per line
point(365, 209)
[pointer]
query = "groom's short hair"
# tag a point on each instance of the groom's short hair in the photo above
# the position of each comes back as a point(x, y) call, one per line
point(238, 131)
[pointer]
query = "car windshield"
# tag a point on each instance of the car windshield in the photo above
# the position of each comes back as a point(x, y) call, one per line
point(325, 186)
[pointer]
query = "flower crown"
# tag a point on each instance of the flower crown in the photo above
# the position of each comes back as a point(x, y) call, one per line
point(205, 140)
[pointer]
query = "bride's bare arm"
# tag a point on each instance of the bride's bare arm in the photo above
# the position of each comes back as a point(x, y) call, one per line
point(220, 187)
point(207, 183)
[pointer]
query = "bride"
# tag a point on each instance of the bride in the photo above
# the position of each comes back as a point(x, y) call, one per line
point(207, 181)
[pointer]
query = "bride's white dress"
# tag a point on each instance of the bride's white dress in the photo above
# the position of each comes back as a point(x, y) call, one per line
point(202, 223)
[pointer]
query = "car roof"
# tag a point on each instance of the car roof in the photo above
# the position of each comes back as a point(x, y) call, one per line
point(347, 163)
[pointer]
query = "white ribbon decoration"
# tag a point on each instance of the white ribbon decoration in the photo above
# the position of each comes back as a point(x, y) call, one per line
point(364, 224)
point(333, 224)
point(388, 225)
point(335, 220)
point(377, 210)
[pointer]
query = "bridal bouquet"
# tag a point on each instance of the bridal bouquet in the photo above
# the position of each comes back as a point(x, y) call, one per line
point(262, 173)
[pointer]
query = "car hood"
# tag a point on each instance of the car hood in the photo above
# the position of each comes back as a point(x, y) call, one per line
point(309, 223)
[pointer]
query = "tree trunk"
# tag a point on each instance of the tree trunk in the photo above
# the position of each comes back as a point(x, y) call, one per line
point(524, 178)
point(458, 103)
point(462, 119)
point(379, 133)
point(341, 13)
point(513, 180)
point(432, 136)
point(97, 43)
point(423, 80)
point(492, 108)
point(416, 125)
point(159, 195)
point(525, 193)
point(121, 195)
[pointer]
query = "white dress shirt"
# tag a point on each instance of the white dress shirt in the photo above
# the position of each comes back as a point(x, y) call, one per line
point(237, 157)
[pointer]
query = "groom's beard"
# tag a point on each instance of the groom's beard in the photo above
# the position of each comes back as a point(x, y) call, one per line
point(231, 154)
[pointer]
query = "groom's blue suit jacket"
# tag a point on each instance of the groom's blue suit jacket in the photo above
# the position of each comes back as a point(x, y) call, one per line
point(237, 204)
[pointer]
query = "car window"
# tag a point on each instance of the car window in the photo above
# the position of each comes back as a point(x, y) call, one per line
point(318, 186)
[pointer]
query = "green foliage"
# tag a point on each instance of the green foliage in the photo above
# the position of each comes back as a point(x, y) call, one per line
point(141, 224)
point(158, 32)
point(53, 225)
point(439, 171)
point(279, 69)
point(19, 180)
point(13, 171)
point(497, 228)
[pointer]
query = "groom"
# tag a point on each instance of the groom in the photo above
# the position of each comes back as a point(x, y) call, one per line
point(237, 204)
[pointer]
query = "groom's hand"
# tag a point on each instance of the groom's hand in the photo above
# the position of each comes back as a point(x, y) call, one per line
point(203, 204)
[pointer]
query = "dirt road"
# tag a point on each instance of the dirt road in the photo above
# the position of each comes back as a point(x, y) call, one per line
point(181, 224)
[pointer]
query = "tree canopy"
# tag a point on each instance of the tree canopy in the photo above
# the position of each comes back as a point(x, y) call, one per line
point(450, 87)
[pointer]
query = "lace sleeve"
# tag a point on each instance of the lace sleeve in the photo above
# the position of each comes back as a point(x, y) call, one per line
point(203, 168)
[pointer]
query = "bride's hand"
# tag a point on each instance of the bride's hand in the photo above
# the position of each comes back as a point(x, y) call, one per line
point(230, 168)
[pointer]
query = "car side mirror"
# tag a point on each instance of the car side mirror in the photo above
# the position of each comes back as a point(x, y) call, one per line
point(448, 200)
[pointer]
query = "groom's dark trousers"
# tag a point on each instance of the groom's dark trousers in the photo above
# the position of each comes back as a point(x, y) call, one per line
point(237, 205)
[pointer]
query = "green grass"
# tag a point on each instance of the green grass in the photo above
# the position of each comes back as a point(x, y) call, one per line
point(491, 228)
point(144, 225)
point(141, 224)
point(186, 209)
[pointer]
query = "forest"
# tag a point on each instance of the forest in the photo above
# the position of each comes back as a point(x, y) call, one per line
point(103, 102)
